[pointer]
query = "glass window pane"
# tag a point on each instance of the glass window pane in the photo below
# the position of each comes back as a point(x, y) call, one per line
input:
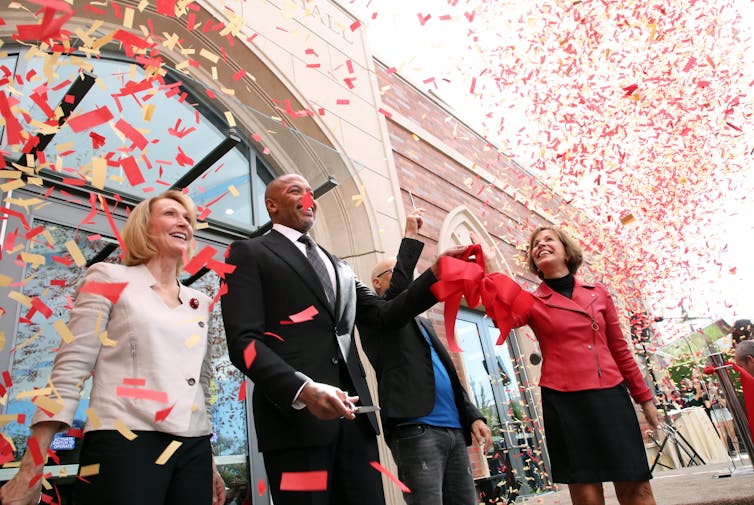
point(36, 339)
point(7, 69)
point(467, 334)
point(162, 130)
point(223, 193)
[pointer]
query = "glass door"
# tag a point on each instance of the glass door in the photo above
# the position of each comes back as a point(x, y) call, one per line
point(44, 253)
point(499, 389)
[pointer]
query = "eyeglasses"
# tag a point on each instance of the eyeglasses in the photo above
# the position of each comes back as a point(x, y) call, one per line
point(388, 271)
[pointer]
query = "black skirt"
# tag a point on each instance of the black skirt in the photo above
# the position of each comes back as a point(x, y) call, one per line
point(593, 436)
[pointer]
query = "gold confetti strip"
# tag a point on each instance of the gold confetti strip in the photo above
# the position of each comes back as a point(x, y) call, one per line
point(148, 112)
point(34, 259)
point(209, 55)
point(93, 418)
point(107, 342)
point(123, 430)
point(233, 190)
point(20, 298)
point(229, 118)
point(10, 186)
point(75, 252)
point(89, 470)
point(99, 172)
point(128, 18)
point(168, 452)
point(192, 340)
point(48, 404)
point(33, 393)
point(63, 331)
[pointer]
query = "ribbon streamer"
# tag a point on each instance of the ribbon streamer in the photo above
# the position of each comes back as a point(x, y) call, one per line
point(503, 299)
point(458, 278)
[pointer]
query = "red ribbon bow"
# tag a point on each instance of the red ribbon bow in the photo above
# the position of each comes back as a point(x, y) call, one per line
point(457, 278)
point(502, 298)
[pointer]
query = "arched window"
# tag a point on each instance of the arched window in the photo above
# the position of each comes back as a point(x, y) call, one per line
point(133, 134)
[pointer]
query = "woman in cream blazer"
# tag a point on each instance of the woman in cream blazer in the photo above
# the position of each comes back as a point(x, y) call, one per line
point(142, 336)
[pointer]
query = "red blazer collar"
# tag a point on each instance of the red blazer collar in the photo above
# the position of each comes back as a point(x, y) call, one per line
point(583, 296)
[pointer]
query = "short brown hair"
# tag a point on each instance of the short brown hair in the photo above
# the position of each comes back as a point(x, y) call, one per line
point(574, 254)
point(139, 247)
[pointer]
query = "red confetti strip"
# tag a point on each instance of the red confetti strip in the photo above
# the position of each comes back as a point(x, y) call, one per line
point(89, 120)
point(161, 415)
point(390, 476)
point(304, 481)
point(142, 394)
point(200, 259)
point(250, 354)
point(109, 290)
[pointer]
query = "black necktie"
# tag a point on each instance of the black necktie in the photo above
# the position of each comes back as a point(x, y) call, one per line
point(319, 267)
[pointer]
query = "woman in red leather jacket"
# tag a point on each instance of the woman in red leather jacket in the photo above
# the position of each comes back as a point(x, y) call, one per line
point(592, 432)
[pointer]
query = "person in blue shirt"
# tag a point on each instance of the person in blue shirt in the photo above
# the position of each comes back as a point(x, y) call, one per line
point(428, 418)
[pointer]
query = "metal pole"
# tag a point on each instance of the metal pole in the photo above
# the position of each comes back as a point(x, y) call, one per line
point(734, 406)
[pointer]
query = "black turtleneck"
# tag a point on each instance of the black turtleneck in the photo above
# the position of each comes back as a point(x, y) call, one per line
point(564, 285)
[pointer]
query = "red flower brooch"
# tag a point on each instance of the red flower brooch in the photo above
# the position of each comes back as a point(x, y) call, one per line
point(194, 303)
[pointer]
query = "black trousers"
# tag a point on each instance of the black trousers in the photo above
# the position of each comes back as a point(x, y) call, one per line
point(128, 473)
point(351, 480)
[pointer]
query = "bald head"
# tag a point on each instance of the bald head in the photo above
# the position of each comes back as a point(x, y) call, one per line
point(381, 275)
point(285, 198)
point(745, 355)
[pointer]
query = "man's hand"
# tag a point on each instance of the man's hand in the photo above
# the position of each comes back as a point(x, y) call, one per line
point(328, 402)
point(482, 435)
point(414, 222)
point(454, 252)
point(489, 256)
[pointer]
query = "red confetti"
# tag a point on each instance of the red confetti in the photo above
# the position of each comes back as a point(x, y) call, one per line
point(390, 476)
point(110, 290)
point(249, 354)
point(161, 415)
point(304, 481)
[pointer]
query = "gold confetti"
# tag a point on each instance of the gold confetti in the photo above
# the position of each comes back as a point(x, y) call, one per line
point(123, 430)
point(192, 340)
point(75, 252)
point(168, 452)
point(128, 18)
point(93, 418)
point(89, 470)
point(63, 331)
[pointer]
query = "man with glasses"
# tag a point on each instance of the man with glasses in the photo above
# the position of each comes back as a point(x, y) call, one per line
point(426, 413)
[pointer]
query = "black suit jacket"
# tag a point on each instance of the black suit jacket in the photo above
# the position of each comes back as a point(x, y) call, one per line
point(274, 280)
point(403, 362)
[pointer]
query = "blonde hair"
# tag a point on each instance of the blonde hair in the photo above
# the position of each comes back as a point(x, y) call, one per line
point(574, 255)
point(135, 234)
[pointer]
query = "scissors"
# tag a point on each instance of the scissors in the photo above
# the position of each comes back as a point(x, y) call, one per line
point(363, 409)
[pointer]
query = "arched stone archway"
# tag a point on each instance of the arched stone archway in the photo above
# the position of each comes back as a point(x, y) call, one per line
point(459, 226)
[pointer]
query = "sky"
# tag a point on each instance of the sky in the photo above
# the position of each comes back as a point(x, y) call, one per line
point(628, 108)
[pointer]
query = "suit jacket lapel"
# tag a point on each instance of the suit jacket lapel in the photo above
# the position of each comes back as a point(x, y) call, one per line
point(285, 250)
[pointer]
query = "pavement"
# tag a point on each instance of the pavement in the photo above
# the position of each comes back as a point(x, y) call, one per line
point(729, 483)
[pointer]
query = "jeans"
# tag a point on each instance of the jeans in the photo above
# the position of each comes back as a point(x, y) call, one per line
point(434, 464)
